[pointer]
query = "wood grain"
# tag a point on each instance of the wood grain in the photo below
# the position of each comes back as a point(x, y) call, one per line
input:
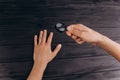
point(20, 20)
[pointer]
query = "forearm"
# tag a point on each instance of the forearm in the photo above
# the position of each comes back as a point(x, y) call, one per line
point(110, 46)
point(42, 54)
point(37, 71)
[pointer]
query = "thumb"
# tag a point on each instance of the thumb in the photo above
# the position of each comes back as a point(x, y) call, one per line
point(56, 50)
point(76, 30)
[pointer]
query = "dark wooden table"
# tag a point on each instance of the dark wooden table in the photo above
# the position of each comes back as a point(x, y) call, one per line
point(20, 20)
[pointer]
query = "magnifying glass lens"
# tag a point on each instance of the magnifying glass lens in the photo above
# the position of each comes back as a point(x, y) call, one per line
point(60, 27)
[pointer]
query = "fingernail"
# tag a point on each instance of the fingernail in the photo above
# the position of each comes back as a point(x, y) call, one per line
point(40, 31)
point(60, 45)
point(69, 27)
point(51, 33)
point(35, 35)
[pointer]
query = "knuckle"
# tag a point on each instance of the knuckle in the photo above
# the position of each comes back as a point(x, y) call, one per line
point(80, 24)
point(41, 44)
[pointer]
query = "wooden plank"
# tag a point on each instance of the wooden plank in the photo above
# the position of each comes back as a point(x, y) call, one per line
point(14, 71)
point(78, 66)
point(57, 69)
point(17, 48)
point(25, 37)
point(20, 20)
point(69, 51)
point(108, 75)
point(99, 15)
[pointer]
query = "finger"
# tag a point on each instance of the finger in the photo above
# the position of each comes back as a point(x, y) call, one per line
point(76, 29)
point(44, 36)
point(74, 37)
point(56, 50)
point(50, 38)
point(35, 40)
point(73, 30)
point(77, 40)
point(80, 42)
point(76, 32)
point(69, 28)
point(80, 27)
point(40, 36)
point(83, 27)
point(68, 33)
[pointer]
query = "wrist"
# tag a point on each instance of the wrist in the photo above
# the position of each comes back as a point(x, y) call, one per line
point(40, 64)
point(101, 40)
point(37, 71)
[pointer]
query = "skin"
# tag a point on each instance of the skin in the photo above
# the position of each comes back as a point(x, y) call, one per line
point(80, 33)
point(42, 54)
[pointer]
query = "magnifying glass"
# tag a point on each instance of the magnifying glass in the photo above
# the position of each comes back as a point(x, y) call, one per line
point(60, 27)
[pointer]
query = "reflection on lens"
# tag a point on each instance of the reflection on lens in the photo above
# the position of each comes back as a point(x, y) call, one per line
point(60, 27)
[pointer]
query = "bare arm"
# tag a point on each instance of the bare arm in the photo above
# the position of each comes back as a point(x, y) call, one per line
point(111, 47)
point(42, 55)
point(81, 34)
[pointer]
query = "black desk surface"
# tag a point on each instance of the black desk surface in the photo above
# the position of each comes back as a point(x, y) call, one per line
point(21, 19)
